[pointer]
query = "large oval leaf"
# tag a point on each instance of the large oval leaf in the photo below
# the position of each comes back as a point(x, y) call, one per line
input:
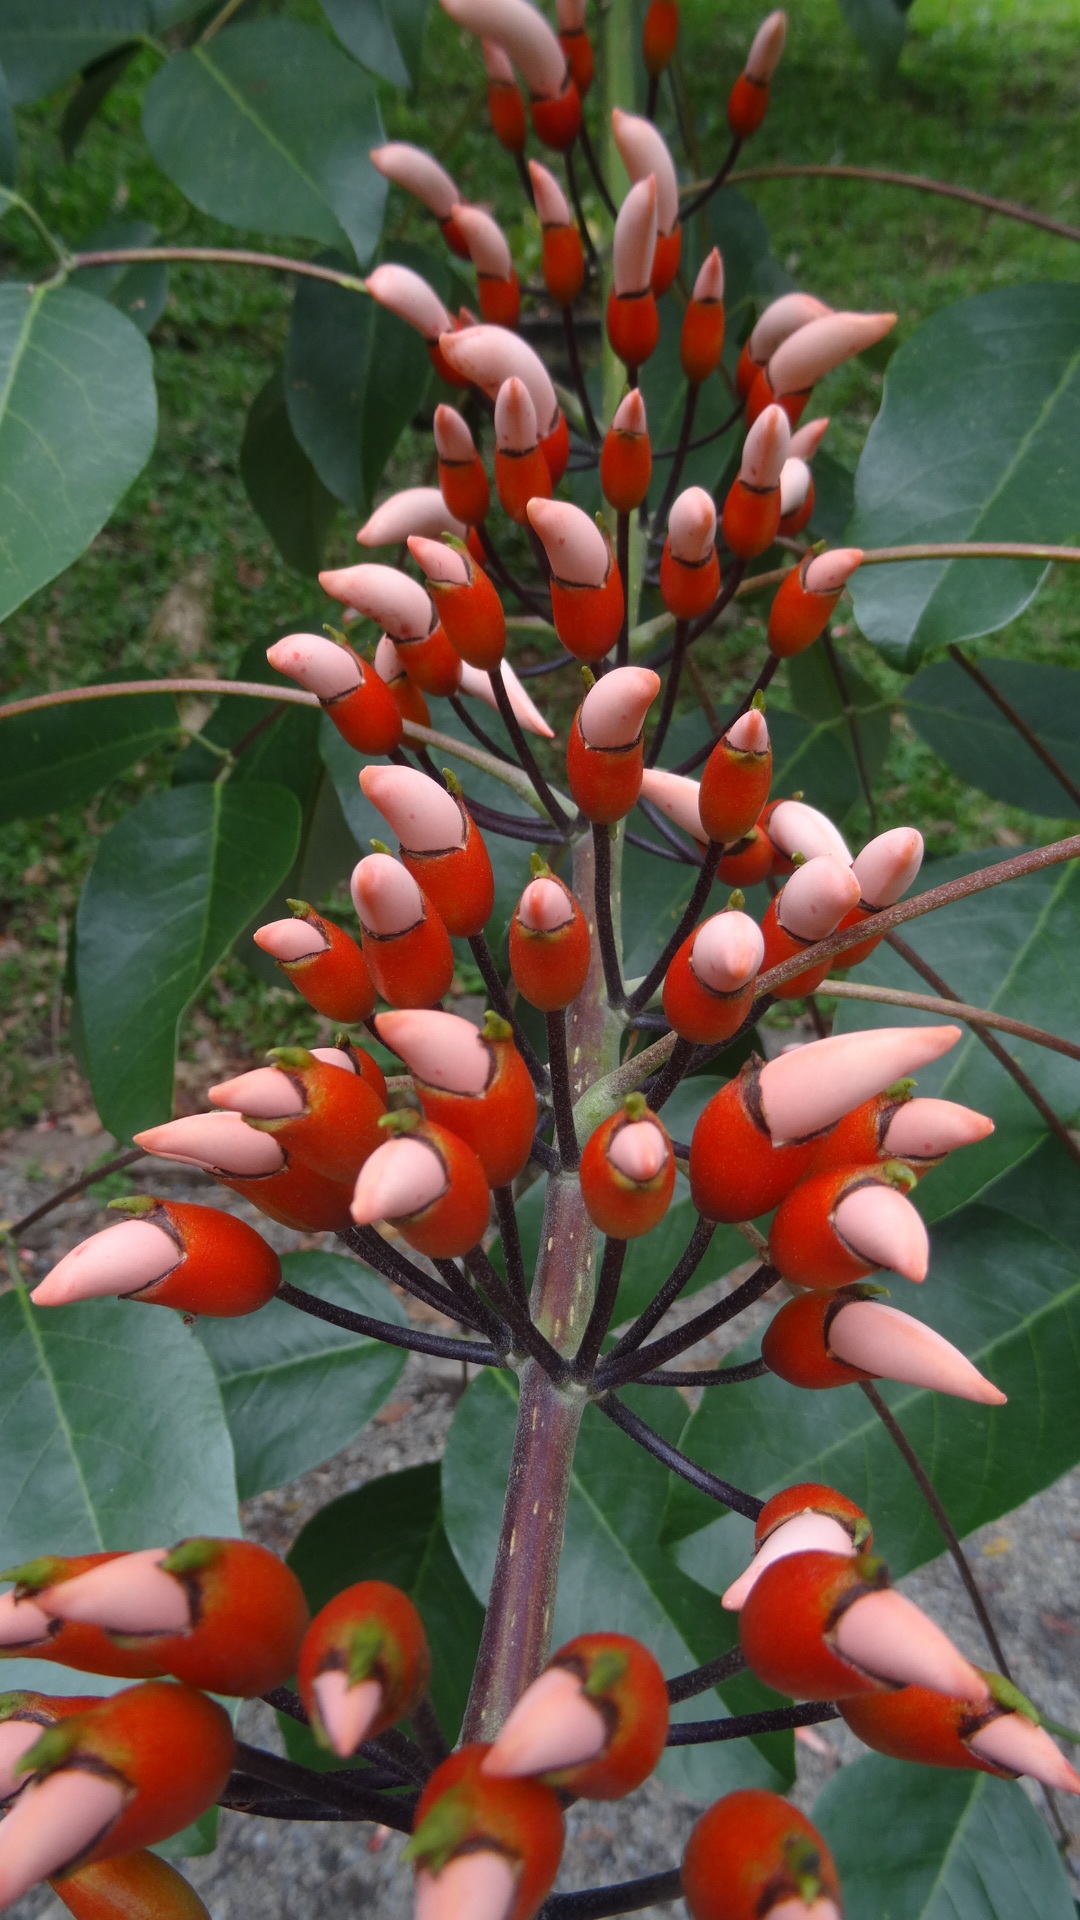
point(613, 1573)
point(1004, 1286)
point(978, 438)
point(961, 723)
point(269, 125)
point(43, 42)
point(384, 35)
point(925, 1843)
point(173, 884)
point(297, 1390)
point(59, 756)
point(78, 416)
point(282, 485)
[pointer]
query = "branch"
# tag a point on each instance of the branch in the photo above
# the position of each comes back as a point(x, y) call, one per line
point(475, 1352)
point(705, 1482)
point(527, 1336)
point(607, 1293)
point(708, 1377)
point(578, 376)
point(696, 1248)
point(543, 793)
point(218, 257)
point(699, 1679)
point(885, 177)
point(492, 979)
point(646, 988)
point(605, 931)
point(370, 1247)
point(342, 1790)
point(671, 689)
point(703, 193)
point(559, 1068)
point(682, 447)
point(701, 1733)
point(928, 902)
point(1017, 720)
point(511, 1243)
point(647, 1359)
point(956, 1009)
point(627, 1896)
point(929, 1494)
point(80, 1185)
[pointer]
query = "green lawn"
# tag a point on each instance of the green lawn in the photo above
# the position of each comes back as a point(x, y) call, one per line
point(185, 573)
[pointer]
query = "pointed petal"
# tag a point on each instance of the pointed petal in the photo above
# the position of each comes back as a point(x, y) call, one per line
point(544, 906)
point(394, 599)
point(316, 663)
point(218, 1142)
point(54, 1822)
point(453, 439)
point(639, 1150)
point(422, 814)
point(795, 1908)
point(408, 295)
point(780, 320)
point(749, 733)
point(766, 448)
point(524, 33)
point(488, 355)
point(415, 510)
point(399, 1179)
point(128, 1595)
point(887, 866)
point(16, 1738)
point(924, 1129)
point(119, 1260)
point(473, 1886)
point(814, 350)
point(676, 796)
point(574, 544)
point(816, 898)
point(486, 241)
point(803, 1533)
point(888, 1636)
point(883, 1341)
point(883, 1228)
point(334, 1057)
point(630, 414)
point(795, 483)
point(806, 439)
point(385, 895)
point(643, 150)
point(709, 285)
point(553, 1725)
point(766, 48)
point(634, 243)
point(264, 1094)
point(1013, 1741)
point(515, 418)
point(810, 1087)
point(22, 1624)
point(727, 951)
point(552, 209)
point(692, 525)
point(419, 173)
point(478, 686)
point(439, 561)
point(441, 1048)
point(796, 828)
point(346, 1712)
point(831, 571)
point(289, 939)
point(613, 711)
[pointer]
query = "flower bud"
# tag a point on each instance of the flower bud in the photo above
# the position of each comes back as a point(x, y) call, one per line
point(253, 1164)
point(404, 940)
point(462, 480)
point(139, 1884)
point(170, 1254)
point(735, 779)
point(427, 1183)
point(506, 108)
point(521, 472)
point(486, 357)
point(804, 1518)
point(932, 1730)
point(563, 262)
point(810, 906)
point(709, 986)
point(796, 497)
point(483, 1846)
point(322, 961)
point(474, 1082)
point(827, 1339)
point(748, 101)
point(628, 1171)
point(689, 567)
point(593, 1723)
point(408, 295)
point(644, 151)
point(780, 320)
point(420, 174)
point(497, 283)
point(811, 352)
point(550, 949)
point(468, 606)
point(633, 323)
point(806, 597)
point(407, 698)
point(347, 689)
point(626, 456)
point(753, 1855)
point(575, 43)
point(751, 513)
point(587, 604)
point(364, 1664)
point(605, 747)
point(420, 510)
point(322, 1114)
point(701, 341)
point(403, 607)
point(659, 35)
point(838, 1227)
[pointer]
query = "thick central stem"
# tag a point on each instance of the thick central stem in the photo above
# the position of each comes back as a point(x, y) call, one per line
point(517, 1630)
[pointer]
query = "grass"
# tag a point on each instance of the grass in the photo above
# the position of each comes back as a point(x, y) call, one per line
point(186, 575)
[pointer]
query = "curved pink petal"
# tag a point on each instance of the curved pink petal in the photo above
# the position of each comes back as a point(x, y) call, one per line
point(882, 1340)
point(814, 901)
point(408, 295)
point(419, 510)
point(217, 1142)
point(553, 1725)
point(419, 173)
point(749, 733)
point(796, 828)
point(639, 1150)
point(263, 1094)
point(441, 1048)
point(709, 285)
point(525, 34)
point(806, 439)
point(831, 571)
point(630, 417)
point(887, 866)
point(803, 1533)
point(544, 906)
point(424, 816)
point(814, 350)
point(22, 1624)
point(635, 238)
point(795, 483)
point(487, 356)
point(346, 1711)
point(692, 525)
point(766, 48)
point(317, 664)
point(128, 1595)
point(578, 552)
point(515, 418)
point(399, 1179)
point(552, 209)
point(453, 440)
point(439, 561)
point(290, 939)
point(882, 1227)
point(613, 711)
point(727, 951)
point(472, 1886)
point(54, 1822)
point(121, 1259)
point(489, 250)
point(676, 796)
point(925, 1129)
point(766, 448)
point(810, 1087)
point(1013, 1741)
point(477, 686)
point(398, 603)
point(780, 320)
point(385, 895)
point(886, 1635)
point(643, 150)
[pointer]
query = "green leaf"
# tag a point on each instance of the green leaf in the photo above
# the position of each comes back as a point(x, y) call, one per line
point(1004, 1287)
point(96, 82)
point(172, 885)
point(9, 145)
point(285, 750)
point(880, 26)
point(297, 1390)
point(392, 1529)
point(78, 416)
point(963, 726)
point(43, 42)
point(1011, 949)
point(954, 1846)
point(139, 290)
point(834, 498)
point(59, 757)
point(282, 485)
point(113, 1430)
point(977, 439)
point(354, 378)
point(386, 36)
point(613, 1572)
point(268, 125)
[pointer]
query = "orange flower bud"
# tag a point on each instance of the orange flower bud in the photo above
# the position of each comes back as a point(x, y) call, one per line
point(604, 753)
point(735, 779)
point(550, 949)
point(806, 597)
point(702, 339)
point(405, 943)
point(689, 566)
point(469, 608)
point(428, 1183)
point(628, 1171)
point(462, 480)
point(474, 1082)
point(658, 35)
point(521, 472)
point(506, 107)
point(709, 986)
point(626, 456)
point(587, 603)
point(563, 262)
point(323, 962)
point(407, 698)
point(496, 282)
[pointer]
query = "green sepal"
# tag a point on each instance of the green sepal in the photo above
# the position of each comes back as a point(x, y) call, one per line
point(538, 867)
point(400, 1120)
point(758, 702)
point(862, 1533)
point(364, 1648)
point(900, 1089)
point(190, 1556)
point(459, 545)
point(606, 1671)
point(379, 846)
point(32, 1575)
point(50, 1751)
point(292, 1059)
point(872, 1570)
point(453, 785)
point(736, 901)
point(588, 679)
point(798, 860)
point(635, 1106)
point(301, 908)
point(440, 1833)
point(133, 1203)
point(803, 1860)
point(1010, 1697)
point(337, 636)
point(495, 1027)
point(898, 1174)
point(11, 1703)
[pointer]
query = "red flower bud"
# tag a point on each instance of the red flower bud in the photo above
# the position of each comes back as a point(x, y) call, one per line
point(135, 1886)
point(626, 456)
point(809, 352)
point(751, 513)
point(633, 323)
point(122, 1775)
point(594, 1723)
point(840, 1226)
point(252, 1164)
point(893, 1126)
point(405, 943)
point(441, 847)
point(505, 104)
point(701, 341)
point(170, 1254)
point(822, 1626)
point(829, 1339)
point(709, 986)
point(557, 122)
point(735, 779)
point(658, 35)
point(689, 567)
point(575, 43)
point(22, 1717)
point(364, 1664)
point(628, 1171)
point(562, 261)
point(496, 282)
point(521, 472)
point(797, 481)
point(475, 1083)
point(587, 603)
point(401, 605)
point(644, 151)
point(605, 749)
point(753, 1854)
point(323, 962)
point(809, 906)
point(348, 689)
point(420, 173)
point(428, 1183)
point(780, 320)
point(482, 1844)
point(321, 1113)
point(550, 949)
point(746, 863)
point(462, 479)
point(932, 1730)
point(407, 698)
point(806, 597)
point(225, 1615)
